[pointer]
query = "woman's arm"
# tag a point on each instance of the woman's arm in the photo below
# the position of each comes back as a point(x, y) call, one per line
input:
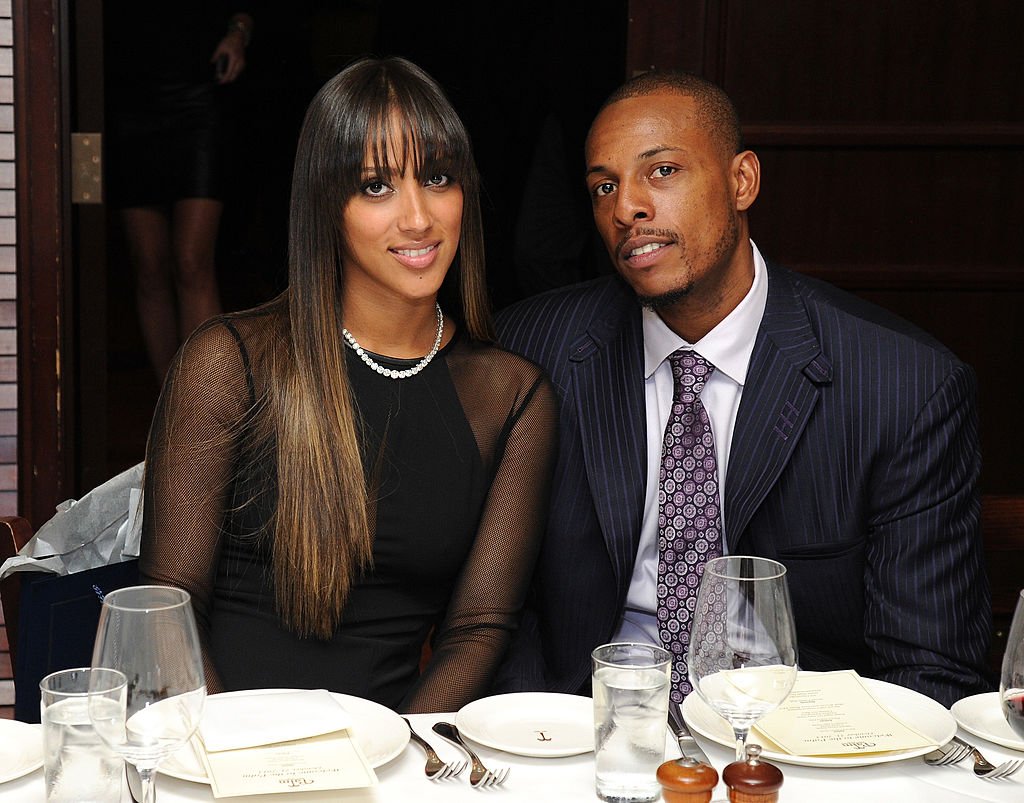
point(489, 595)
point(189, 458)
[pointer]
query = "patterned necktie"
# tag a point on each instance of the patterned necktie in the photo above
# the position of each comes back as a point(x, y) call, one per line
point(689, 513)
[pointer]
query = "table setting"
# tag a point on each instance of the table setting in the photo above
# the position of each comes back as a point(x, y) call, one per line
point(265, 745)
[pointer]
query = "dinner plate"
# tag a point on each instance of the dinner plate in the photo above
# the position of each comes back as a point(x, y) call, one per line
point(380, 733)
point(982, 715)
point(21, 749)
point(538, 724)
point(922, 713)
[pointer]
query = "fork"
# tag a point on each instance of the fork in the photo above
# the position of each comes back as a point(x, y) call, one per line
point(435, 768)
point(949, 753)
point(983, 768)
point(479, 777)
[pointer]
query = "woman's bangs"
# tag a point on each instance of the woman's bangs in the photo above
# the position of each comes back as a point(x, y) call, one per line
point(423, 140)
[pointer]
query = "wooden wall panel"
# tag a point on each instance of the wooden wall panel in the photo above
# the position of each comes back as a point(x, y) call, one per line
point(899, 206)
point(914, 60)
point(8, 291)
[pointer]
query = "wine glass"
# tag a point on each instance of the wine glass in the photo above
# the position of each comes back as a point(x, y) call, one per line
point(1011, 681)
point(742, 654)
point(149, 634)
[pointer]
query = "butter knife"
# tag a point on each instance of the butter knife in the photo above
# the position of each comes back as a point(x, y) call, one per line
point(687, 744)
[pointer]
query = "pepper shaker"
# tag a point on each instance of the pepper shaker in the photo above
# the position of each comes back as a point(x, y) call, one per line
point(686, 780)
point(752, 780)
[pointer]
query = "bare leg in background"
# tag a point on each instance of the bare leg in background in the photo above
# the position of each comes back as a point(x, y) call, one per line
point(176, 279)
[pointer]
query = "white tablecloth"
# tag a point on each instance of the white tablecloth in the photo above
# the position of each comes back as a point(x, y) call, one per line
point(568, 780)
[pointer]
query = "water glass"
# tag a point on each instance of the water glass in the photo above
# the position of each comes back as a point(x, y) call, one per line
point(1011, 681)
point(630, 685)
point(78, 766)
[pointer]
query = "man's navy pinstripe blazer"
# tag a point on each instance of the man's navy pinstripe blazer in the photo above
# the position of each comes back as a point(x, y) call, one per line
point(854, 462)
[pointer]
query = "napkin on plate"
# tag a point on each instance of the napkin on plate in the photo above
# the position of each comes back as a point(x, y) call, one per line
point(235, 721)
point(263, 743)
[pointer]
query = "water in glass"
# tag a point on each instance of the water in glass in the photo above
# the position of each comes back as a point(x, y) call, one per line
point(77, 766)
point(630, 715)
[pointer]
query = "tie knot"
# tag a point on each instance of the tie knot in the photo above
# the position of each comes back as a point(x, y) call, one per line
point(690, 372)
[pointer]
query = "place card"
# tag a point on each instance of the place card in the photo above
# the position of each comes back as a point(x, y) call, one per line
point(330, 762)
point(834, 714)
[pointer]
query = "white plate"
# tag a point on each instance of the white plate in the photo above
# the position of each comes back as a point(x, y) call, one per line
point(21, 749)
point(921, 713)
point(380, 733)
point(531, 723)
point(982, 715)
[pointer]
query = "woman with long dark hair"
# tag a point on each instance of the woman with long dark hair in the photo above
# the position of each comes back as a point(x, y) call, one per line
point(352, 466)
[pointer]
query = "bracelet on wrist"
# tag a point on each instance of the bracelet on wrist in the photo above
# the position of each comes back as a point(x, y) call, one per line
point(242, 28)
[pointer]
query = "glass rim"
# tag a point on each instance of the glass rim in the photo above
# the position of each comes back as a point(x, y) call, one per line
point(112, 598)
point(654, 652)
point(713, 565)
point(92, 671)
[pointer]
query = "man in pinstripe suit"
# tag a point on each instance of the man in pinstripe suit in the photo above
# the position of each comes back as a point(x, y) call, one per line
point(846, 439)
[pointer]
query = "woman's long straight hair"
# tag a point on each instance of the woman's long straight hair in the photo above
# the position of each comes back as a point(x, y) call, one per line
point(322, 526)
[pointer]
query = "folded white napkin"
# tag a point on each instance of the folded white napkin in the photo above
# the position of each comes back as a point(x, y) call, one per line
point(235, 721)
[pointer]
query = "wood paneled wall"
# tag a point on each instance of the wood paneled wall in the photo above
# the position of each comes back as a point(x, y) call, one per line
point(8, 289)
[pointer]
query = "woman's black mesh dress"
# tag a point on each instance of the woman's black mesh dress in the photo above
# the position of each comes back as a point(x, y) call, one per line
point(463, 454)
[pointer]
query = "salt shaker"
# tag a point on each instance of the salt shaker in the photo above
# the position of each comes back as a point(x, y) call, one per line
point(686, 780)
point(752, 780)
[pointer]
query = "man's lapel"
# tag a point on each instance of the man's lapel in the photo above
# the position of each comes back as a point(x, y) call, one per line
point(781, 391)
point(609, 391)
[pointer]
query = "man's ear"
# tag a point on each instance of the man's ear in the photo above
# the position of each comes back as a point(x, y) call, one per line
point(746, 172)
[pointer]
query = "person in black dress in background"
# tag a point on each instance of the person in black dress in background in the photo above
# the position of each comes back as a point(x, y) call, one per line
point(339, 472)
point(166, 137)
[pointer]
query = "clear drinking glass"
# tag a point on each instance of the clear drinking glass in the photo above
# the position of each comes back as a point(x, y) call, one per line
point(630, 685)
point(149, 634)
point(1011, 680)
point(742, 653)
point(77, 765)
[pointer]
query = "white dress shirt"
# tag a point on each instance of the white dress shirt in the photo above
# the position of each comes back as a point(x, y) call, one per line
point(728, 347)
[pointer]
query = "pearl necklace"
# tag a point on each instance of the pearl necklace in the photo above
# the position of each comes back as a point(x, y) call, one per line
point(392, 373)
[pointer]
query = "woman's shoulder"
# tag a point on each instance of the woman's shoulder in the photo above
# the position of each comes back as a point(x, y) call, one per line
point(498, 361)
point(236, 335)
point(499, 378)
point(227, 350)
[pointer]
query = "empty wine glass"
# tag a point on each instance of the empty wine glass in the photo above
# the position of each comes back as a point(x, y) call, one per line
point(1011, 681)
point(149, 634)
point(742, 654)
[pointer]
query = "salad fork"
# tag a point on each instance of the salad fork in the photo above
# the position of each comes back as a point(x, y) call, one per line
point(435, 768)
point(984, 768)
point(479, 777)
point(949, 753)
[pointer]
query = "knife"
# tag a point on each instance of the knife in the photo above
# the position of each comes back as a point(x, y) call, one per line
point(687, 744)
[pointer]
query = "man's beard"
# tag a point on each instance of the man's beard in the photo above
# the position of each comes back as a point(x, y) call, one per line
point(666, 299)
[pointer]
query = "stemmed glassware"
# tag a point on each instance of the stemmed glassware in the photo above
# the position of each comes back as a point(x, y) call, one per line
point(742, 658)
point(148, 633)
point(1011, 681)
